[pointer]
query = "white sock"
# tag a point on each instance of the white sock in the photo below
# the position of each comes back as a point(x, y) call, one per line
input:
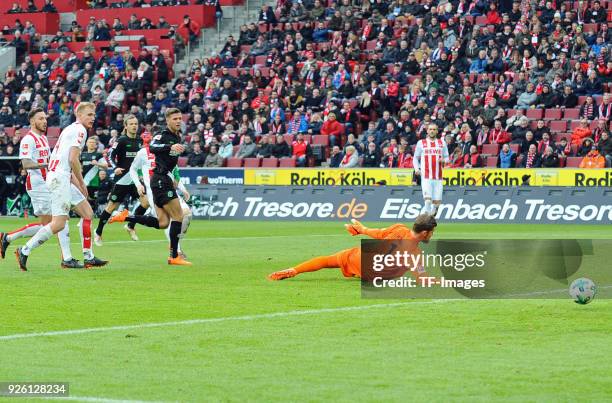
point(185, 224)
point(27, 231)
point(85, 230)
point(64, 240)
point(426, 207)
point(38, 239)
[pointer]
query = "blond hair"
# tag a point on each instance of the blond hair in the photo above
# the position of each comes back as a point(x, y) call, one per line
point(84, 105)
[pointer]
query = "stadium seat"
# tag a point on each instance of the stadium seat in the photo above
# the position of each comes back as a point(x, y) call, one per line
point(553, 114)
point(320, 139)
point(567, 136)
point(534, 113)
point(490, 149)
point(252, 162)
point(287, 163)
point(491, 161)
point(270, 162)
point(573, 113)
point(515, 148)
point(574, 124)
point(573, 162)
point(558, 126)
point(234, 162)
point(53, 131)
point(288, 138)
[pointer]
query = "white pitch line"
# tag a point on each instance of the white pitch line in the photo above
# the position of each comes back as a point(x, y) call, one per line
point(221, 319)
point(129, 242)
point(98, 399)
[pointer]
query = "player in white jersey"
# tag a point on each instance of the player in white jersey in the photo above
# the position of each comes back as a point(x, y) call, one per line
point(34, 156)
point(429, 156)
point(143, 164)
point(67, 187)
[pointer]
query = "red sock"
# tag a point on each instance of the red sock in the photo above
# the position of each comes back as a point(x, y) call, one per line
point(86, 234)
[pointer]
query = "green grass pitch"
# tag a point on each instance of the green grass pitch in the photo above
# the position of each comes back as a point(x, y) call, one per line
point(401, 350)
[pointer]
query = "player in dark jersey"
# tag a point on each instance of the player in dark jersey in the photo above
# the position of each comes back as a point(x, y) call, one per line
point(166, 147)
point(122, 156)
point(93, 162)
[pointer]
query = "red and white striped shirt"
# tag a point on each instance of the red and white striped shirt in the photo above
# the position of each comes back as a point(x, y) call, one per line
point(429, 157)
point(36, 148)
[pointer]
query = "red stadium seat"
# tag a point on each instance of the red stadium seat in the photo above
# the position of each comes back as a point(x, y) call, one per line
point(271, 162)
point(288, 138)
point(566, 136)
point(558, 126)
point(491, 161)
point(515, 148)
point(320, 139)
point(534, 113)
point(571, 113)
point(553, 114)
point(573, 162)
point(287, 163)
point(252, 162)
point(234, 162)
point(490, 149)
point(53, 131)
point(574, 124)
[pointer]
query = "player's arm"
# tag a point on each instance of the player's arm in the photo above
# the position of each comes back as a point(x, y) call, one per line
point(445, 154)
point(118, 155)
point(416, 160)
point(26, 155)
point(357, 228)
point(101, 163)
point(158, 146)
point(179, 185)
point(74, 160)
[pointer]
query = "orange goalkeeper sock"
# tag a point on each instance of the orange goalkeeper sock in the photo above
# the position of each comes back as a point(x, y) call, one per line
point(318, 263)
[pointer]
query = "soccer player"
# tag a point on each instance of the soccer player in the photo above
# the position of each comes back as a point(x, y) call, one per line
point(429, 156)
point(92, 162)
point(141, 172)
point(349, 260)
point(166, 148)
point(34, 155)
point(122, 156)
point(67, 187)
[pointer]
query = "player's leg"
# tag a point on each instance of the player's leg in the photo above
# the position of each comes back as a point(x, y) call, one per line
point(436, 196)
point(174, 210)
point(116, 196)
point(315, 264)
point(426, 189)
point(68, 261)
point(141, 209)
point(84, 210)
point(41, 203)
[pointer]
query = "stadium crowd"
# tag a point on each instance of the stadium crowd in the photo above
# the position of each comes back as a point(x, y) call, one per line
point(346, 83)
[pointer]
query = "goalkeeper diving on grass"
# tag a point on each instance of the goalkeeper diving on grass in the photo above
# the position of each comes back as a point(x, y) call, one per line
point(349, 260)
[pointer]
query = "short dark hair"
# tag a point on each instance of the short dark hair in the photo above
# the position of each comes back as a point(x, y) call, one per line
point(424, 222)
point(33, 113)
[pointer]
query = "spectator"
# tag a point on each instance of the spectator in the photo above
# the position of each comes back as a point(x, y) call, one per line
point(213, 159)
point(332, 128)
point(247, 149)
point(300, 150)
point(265, 147)
point(506, 158)
point(15, 9)
point(350, 159)
point(472, 159)
point(549, 158)
point(581, 132)
point(563, 149)
point(196, 158)
point(281, 148)
point(189, 29)
point(593, 159)
point(531, 158)
point(404, 157)
point(371, 158)
point(605, 147)
point(335, 157)
point(226, 148)
point(49, 7)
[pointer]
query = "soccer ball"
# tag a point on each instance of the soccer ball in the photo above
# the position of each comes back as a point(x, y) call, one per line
point(582, 290)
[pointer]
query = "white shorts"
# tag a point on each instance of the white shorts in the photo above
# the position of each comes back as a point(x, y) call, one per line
point(64, 195)
point(432, 188)
point(41, 201)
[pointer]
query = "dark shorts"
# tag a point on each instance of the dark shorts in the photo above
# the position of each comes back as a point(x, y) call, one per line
point(121, 192)
point(163, 190)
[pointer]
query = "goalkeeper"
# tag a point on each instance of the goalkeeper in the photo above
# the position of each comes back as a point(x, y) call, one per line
point(349, 260)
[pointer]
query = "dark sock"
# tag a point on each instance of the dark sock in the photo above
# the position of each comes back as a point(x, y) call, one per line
point(175, 231)
point(103, 220)
point(139, 211)
point(146, 220)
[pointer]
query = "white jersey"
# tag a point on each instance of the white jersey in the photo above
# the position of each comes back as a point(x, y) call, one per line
point(145, 162)
point(35, 147)
point(429, 156)
point(74, 135)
